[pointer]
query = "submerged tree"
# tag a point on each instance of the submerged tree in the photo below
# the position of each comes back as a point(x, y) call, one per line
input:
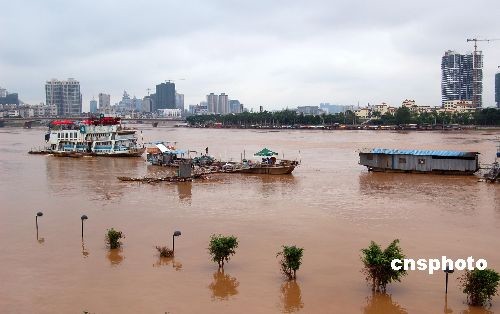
point(221, 248)
point(480, 285)
point(165, 251)
point(113, 238)
point(377, 265)
point(291, 258)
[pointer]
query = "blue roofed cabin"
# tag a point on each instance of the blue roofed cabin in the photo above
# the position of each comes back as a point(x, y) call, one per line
point(420, 161)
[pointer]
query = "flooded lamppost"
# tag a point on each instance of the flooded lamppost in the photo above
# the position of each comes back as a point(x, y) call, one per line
point(176, 234)
point(39, 214)
point(448, 271)
point(84, 217)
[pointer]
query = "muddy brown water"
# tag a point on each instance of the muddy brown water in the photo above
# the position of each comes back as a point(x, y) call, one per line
point(331, 206)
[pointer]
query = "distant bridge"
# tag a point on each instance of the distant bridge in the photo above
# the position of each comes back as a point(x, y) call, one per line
point(27, 122)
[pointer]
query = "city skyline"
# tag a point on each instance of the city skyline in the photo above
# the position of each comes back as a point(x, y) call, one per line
point(275, 55)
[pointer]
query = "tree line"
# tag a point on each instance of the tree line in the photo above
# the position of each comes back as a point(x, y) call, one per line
point(403, 115)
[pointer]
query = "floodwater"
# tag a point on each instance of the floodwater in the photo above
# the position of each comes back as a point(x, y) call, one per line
point(331, 206)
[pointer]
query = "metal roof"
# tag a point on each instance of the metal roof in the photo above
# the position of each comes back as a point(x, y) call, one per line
point(417, 152)
point(162, 147)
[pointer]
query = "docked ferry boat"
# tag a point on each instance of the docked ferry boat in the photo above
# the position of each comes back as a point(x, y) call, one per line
point(103, 136)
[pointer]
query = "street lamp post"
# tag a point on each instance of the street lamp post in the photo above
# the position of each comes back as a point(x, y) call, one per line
point(39, 214)
point(448, 271)
point(84, 217)
point(176, 234)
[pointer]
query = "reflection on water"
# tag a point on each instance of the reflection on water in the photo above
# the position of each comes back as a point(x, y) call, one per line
point(184, 189)
point(270, 185)
point(85, 253)
point(476, 310)
point(93, 174)
point(381, 303)
point(115, 257)
point(223, 286)
point(446, 308)
point(291, 297)
point(166, 261)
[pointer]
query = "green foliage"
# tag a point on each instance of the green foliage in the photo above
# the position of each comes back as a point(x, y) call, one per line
point(487, 116)
point(165, 251)
point(403, 115)
point(113, 238)
point(291, 258)
point(480, 285)
point(221, 248)
point(377, 265)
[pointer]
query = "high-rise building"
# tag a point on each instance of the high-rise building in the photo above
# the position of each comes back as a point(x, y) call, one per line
point(126, 104)
point(104, 102)
point(234, 106)
point(223, 104)
point(497, 89)
point(93, 106)
point(147, 104)
point(212, 101)
point(65, 95)
point(3, 92)
point(179, 101)
point(462, 77)
point(165, 96)
point(9, 99)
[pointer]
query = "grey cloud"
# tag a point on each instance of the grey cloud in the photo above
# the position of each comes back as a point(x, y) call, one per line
point(280, 52)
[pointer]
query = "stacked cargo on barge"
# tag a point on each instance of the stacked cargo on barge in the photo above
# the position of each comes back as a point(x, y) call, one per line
point(420, 161)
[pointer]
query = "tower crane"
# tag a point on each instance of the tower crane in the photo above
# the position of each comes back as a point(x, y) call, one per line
point(173, 81)
point(475, 101)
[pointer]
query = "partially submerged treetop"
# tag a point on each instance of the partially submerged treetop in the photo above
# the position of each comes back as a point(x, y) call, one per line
point(113, 238)
point(221, 248)
point(291, 259)
point(377, 265)
point(480, 285)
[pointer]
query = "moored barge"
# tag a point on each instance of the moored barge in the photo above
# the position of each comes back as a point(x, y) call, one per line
point(420, 161)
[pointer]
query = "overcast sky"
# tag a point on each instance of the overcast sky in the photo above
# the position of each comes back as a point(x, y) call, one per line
point(272, 53)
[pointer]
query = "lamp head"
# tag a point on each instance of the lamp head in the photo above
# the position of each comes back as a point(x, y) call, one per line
point(39, 214)
point(448, 270)
point(177, 233)
point(84, 217)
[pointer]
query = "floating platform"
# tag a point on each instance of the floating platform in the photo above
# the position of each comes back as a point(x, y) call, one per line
point(420, 161)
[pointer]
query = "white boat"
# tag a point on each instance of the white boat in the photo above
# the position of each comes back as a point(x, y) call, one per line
point(102, 136)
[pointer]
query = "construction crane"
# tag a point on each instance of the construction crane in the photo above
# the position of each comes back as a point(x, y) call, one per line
point(173, 81)
point(476, 102)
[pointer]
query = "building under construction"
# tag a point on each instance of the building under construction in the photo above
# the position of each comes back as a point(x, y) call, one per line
point(462, 77)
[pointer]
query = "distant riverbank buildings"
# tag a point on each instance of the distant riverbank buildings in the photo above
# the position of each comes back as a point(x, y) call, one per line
point(217, 104)
point(65, 95)
point(7, 98)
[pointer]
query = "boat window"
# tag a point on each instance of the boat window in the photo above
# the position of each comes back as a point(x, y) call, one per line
point(402, 160)
point(421, 161)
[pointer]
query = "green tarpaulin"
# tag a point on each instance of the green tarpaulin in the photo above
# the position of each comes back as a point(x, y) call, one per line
point(266, 153)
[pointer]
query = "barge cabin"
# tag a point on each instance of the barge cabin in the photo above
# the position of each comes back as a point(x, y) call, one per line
point(420, 161)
